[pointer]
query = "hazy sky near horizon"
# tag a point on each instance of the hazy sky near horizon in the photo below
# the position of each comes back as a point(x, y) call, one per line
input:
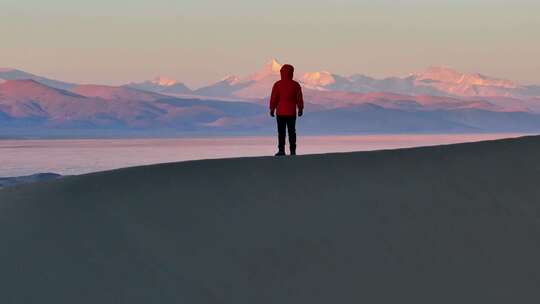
point(201, 41)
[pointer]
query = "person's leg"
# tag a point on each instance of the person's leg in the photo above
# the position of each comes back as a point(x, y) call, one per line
point(291, 126)
point(281, 126)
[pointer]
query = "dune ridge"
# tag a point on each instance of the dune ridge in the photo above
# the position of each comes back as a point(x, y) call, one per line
point(445, 224)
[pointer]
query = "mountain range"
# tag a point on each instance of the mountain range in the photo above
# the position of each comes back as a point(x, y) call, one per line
point(438, 99)
point(162, 85)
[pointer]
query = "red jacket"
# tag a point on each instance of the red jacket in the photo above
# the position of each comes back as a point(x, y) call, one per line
point(286, 94)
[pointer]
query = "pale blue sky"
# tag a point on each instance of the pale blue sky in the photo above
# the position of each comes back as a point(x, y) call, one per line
point(117, 41)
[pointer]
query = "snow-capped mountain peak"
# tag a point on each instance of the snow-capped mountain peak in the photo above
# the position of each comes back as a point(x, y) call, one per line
point(274, 65)
point(231, 79)
point(163, 85)
point(439, 73)
point(448, 75)
point(164, 81)
point(318, 79)
point(271, 69)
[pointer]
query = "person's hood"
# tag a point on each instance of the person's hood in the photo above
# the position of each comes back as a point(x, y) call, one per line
point(287, 72)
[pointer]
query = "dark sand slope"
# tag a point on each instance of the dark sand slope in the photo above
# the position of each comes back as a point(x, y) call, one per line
point(449, 224)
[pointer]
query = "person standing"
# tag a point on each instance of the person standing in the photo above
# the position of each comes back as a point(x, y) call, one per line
point(286, 97)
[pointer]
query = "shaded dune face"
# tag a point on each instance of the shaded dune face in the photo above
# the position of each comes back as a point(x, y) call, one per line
point(443, 224)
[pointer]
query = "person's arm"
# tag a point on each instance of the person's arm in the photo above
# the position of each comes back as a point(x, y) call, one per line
point(274, 98)
point(300, 101)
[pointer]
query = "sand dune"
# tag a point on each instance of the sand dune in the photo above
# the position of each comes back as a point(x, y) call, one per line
point(447, 224)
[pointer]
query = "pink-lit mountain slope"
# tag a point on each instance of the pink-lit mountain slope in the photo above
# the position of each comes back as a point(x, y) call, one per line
point(115, 93)
point(27, 103)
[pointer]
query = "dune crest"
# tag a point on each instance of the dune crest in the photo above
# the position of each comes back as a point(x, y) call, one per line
point(456, 223)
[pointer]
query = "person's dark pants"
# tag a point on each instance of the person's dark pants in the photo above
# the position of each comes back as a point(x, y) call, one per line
point(286, 123)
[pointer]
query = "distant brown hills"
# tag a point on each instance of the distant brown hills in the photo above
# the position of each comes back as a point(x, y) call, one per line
point(436, 100)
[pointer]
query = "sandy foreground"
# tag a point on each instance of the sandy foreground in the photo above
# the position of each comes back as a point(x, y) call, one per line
point(445, 224)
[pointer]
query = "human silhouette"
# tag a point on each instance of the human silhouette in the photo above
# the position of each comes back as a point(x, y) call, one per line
point(286, 97)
